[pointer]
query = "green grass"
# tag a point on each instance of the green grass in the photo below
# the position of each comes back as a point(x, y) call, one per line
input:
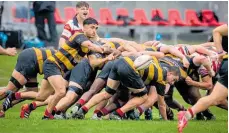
point(12, 124)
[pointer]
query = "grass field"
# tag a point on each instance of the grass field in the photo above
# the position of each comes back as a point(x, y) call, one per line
point(12, 123)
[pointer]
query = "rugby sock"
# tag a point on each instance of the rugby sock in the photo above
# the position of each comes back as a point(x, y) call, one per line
point(80, 102)
point(32, 106)
point(85, 109)
point(104, 111)
point(120, 113)
point(189, 114)
point(48, 115)
point(17, 95)
point(96, 111)
point(141, 109)
point(54, 111)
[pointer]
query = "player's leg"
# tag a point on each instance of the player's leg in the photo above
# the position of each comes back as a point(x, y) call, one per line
point(43, 94)
point(98, 84)
point(152, 98)
point(219, 93)
point(112, 85)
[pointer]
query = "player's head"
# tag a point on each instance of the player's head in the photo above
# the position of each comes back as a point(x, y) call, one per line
point(90, 26)
point(82, 9)
point(172, 74)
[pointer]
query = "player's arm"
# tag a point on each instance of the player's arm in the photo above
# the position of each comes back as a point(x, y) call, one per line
point(118, 40)
point(206, 83)
point(202, 50)
point(93, 47)
point(96, 61)
point(162, 106)
point(175, 52)
point(8, 51)
point(152, 43)
point(126, 47)
point(218, 32)
point(202, 60)
point(207, 44)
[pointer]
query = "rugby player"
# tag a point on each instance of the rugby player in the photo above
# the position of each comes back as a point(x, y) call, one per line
point(29, 64)
point(220, 91)
point(68, 56)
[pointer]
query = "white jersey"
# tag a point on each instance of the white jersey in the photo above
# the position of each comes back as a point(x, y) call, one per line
point(70, 28)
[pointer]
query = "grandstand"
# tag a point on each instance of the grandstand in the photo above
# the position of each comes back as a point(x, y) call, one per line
point(182, 18)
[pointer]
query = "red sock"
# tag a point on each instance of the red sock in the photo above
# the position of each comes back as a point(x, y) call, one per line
point(140, 110)
point(104, 111)
point(96, 111)
point(17, 95)
point(47, 114)
point(119, 111)
point(191, 112)
point(34, 105)
point(81, 102)
point(85, 109)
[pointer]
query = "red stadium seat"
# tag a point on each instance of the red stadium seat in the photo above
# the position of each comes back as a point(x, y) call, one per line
point(57, 17)
point(139, 15)
point(69, 13)
point(192, 19)
point(92, 13)
point(208, 17)
point(124, 12)
point(175, 18)
point(155, 12)
point(106, 17)
point(20, 20)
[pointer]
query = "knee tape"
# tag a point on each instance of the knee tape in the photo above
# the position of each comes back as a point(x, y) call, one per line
point(110, 90)
point(75, 89)
point(16, 83)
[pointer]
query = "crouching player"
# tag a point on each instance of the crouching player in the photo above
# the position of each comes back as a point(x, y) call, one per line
point(29, 64)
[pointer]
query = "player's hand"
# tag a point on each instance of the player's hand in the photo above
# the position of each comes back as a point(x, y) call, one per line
point(211, 73)
point(110, 57)
point(220, 56)
point(117, 53)
point(188, 80)
point(185, 62)
point(11, 51)
point(155, 43)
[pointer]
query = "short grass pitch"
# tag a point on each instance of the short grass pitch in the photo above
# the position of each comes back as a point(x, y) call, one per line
point(13, 124)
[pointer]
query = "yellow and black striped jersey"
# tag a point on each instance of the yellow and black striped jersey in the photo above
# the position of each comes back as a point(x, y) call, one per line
point(149, 48)
point(71, 52)
point(42, 54)
point(114, 45)
point(175, 61)
point(153, 75)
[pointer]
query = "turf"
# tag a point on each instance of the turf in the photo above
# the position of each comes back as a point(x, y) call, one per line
point(13, 124)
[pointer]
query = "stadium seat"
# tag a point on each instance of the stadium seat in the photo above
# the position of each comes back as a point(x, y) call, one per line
point(16, 14)
point(124, 12)
point(92, 13)
point(139, 15)
point(155, 12)
point(208, 17)
point(175, 18)
point(192, 19)
point(69, 13)
point(106, 17)
point(57, 17)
